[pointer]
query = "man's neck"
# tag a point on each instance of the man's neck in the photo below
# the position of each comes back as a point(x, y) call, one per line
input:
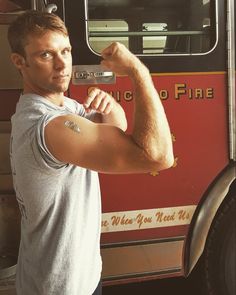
point(55, 98)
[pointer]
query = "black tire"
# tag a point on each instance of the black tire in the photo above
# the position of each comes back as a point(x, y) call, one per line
point(217, 266)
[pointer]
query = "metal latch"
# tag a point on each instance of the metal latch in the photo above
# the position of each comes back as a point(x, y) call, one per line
point(92, 74)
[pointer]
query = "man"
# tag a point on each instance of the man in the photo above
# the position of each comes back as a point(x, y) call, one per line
point(59, 145)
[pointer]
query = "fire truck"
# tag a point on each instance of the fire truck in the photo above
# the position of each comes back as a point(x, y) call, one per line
point(177, 222)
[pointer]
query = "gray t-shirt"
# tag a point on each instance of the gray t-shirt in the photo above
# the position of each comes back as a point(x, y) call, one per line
point(60, 205)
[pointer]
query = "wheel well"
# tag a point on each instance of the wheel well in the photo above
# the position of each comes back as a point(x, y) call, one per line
point(222, 187)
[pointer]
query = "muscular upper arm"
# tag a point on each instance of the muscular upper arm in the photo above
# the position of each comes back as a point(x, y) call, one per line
point(98, 147)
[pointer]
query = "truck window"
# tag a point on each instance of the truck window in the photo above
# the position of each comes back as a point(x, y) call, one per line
point(106, 26)
point(153, 27)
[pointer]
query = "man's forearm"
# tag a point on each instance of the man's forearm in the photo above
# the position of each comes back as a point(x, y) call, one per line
point(151, 130)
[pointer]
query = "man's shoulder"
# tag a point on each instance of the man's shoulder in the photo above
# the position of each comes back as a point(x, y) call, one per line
point(30, 109)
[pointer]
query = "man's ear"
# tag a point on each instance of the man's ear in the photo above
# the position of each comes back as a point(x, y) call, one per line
point(18, 60)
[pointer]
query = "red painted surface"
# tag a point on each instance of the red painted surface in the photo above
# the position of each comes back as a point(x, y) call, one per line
point(198, 121)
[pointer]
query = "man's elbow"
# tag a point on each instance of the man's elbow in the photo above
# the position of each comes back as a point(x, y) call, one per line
point(162, 160)
point(123, 126)
point(168, 160)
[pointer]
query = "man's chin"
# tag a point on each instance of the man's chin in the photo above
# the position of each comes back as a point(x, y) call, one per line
point(61, 88)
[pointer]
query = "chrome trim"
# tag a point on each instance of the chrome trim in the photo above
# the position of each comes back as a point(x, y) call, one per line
point(231, 77)
point(142, 242)
point(159, 55)
point(203, 217)
point(136, 261)
point(91, 74)
point(50, 8)
point(144, 275)
point(42, 5)
point(34, 4)
point(148, 33)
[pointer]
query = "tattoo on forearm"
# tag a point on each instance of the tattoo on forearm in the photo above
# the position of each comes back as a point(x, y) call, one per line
point(72, 125)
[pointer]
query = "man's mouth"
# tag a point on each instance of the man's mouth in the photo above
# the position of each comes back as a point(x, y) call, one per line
point(61, 77)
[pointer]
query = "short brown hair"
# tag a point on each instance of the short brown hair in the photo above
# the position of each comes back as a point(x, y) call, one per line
point(32, 22)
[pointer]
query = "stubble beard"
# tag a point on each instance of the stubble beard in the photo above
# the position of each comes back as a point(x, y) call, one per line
point(58, 88)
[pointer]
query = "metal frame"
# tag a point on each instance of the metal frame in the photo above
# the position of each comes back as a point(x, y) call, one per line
point(146, 33)
point(43, 5)
point(120, 263)
point(231, 77)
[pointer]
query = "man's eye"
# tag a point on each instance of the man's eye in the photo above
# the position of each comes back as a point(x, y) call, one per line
point(46, 55)
point(66, 51)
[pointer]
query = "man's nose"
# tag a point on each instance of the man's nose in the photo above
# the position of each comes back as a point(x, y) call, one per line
point(59, 62)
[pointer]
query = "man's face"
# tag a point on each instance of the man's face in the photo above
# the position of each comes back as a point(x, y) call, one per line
point(47, 66)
